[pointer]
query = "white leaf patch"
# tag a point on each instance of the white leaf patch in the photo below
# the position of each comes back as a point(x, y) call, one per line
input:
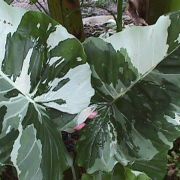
point(76, 93)
point(79, 59)
point(146, 46)
point(147, 145)
point(9, 21)
point(137, 173)
point(178, 39)
point(62, 35)
point(23, 82)
point(108, 152)
point(26, 148)
point(15, 149)
point(17, 108)
point(53, 60)
point(165, 140)
point(175, 121)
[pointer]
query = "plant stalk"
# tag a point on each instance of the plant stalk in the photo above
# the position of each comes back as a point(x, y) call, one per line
point(68, 14)
point(73, 172)
point(119, 15)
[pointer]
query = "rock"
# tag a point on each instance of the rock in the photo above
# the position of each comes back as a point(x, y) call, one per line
point(97, 20)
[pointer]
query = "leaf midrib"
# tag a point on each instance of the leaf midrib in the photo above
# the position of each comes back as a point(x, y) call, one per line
point(15, 86)
point(141, 77)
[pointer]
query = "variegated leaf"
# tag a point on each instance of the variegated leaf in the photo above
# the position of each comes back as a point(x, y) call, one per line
point(42, 69)
point(164, 81)
point(119, 172)
point(138, 119)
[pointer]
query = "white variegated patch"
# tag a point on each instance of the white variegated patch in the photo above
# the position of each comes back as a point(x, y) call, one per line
point(23, 82)
point(76, 94)
point(56, 61)
point(146, 46)
point(16, 146)
point(163, 138)
point(103, 165)
point(53, 60)
point(38, 25)
point(108, 89)
point(108, 152)
point(137, 173)
point(178, 39)
point(62, 35)
point(146, 149)
point(49, 26)
point(9, 21)
point(16, 111)
point(30, 150)
point(79, 59)
point(175, 121)
point(26, 148)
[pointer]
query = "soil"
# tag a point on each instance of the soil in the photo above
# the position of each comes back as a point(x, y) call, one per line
point(26, 5)
point(88, 9)
point(8, 173)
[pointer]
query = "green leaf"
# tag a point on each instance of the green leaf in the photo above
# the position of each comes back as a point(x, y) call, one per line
point(167, 78)
point(42, 70)
point(119, 172)
point(8, 1)
point(138, 118)
point(33, 1)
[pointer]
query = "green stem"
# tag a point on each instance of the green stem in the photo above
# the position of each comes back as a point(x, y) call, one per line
point(43, 8)
point(55, 9)
point(68, 14)
point(73, 172)
point(119, 15)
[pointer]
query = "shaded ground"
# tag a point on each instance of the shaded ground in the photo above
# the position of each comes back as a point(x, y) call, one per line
point(92, 27)
point(25, 4)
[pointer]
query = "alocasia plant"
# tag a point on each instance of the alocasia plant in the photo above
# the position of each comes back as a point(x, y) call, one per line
point(42, 67)
point(138, 118)
point(45, 88)
point(119, 172)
